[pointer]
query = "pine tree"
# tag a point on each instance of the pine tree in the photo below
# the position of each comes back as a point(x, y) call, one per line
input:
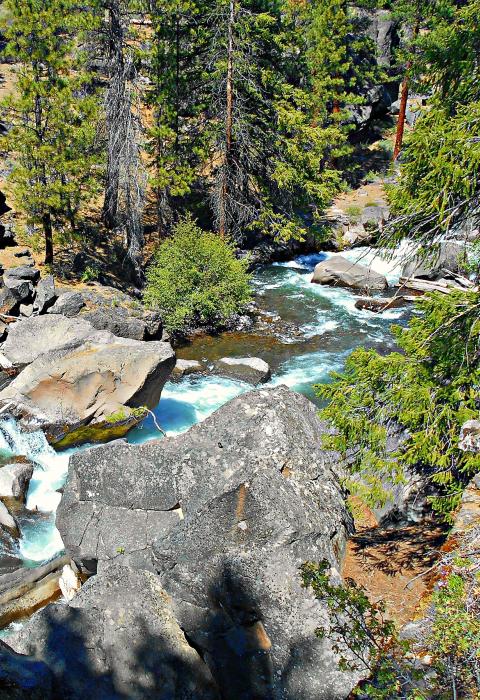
point(269, 160)
point(177, 99)
point(52, 114)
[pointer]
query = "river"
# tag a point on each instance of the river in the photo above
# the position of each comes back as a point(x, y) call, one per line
point(305, 332)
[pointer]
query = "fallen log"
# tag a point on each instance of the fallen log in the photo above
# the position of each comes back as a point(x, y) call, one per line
point(378, 305)
point(445, 286)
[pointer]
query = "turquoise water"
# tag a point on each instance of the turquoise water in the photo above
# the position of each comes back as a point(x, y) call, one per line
point(305, 332)
point(311, 329)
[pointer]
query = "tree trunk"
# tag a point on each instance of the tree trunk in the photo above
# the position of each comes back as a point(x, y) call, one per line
point(403, 102)
point(401, 118)
point(48, 233)
point(114, 102)
point(228, 123)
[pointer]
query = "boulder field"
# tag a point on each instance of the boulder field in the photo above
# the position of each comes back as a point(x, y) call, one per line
point(196, 541)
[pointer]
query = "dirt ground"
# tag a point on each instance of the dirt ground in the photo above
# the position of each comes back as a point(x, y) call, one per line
point(394, 565)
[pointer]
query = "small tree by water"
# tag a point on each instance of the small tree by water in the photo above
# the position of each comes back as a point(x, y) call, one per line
point(195, 279)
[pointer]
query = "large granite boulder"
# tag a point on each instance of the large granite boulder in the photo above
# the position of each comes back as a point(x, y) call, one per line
point(29, 339)
point(121, 321)
point(117, 639)
point(450, 257)
point(225, 515)
point(339, 271)
point(80, 379)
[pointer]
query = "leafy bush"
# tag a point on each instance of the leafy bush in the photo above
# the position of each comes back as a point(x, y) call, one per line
point(430, 389)
point(196, 279)
point(366, 641)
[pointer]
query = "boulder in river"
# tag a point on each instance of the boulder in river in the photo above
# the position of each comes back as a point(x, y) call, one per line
point(338, 271)
point(82, 383)
point(7, 521)
point(184, 367)
point(252, 370)
point(24, 590)
point(225, 514)
point(14, 480)
point(449, 257)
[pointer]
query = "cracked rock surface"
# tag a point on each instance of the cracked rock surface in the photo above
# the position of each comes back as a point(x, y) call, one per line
point(221, 517)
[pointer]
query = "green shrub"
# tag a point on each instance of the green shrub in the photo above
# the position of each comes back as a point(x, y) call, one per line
point(196, 279)
point(354, 211)
point(365, 640)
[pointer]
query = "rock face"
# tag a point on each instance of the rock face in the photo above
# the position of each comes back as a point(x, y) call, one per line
point(22, 678)
point(14, 480)
point(252, 370)
point(448, 257)
point(337, 270)
point(224, 515)
point(118, 638)
point(78, 376)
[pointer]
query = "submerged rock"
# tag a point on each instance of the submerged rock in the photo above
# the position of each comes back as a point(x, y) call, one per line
point(252, 370)
point(337, 270)
point(225, 515)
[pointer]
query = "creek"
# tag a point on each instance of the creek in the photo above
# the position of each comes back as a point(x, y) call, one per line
point(305, 331)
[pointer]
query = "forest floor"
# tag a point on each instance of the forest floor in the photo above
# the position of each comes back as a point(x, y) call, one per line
point(395, 564)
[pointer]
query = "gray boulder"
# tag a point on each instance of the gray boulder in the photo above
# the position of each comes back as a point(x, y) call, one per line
point(9, 302)
point(226, 514)
point(184, 367)
point(118, 321)
point(449, 256)
point(45, 296)
point(69, 304)
point(7, 521)
point(23, 272)
point(374, 217)
point(14, 480)
point(21, 289)
point(117, 639)
point(252, 370)
point(78, 376)
point(22, 678)
point(31, 338)
point(339, 271)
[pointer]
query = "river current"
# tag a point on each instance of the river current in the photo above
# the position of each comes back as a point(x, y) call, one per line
point(305, 332)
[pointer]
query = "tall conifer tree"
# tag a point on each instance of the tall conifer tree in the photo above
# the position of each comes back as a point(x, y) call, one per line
point(51, 114)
